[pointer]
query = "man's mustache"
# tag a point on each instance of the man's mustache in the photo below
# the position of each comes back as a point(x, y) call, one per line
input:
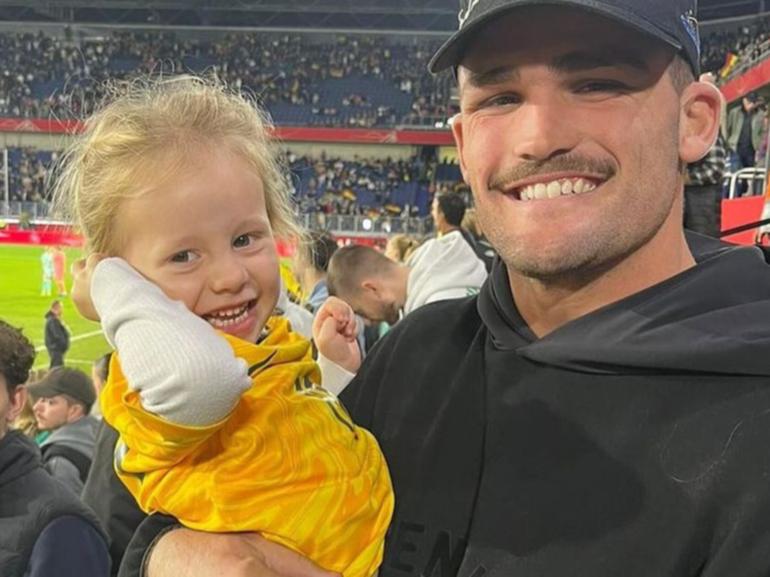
point(580, 164)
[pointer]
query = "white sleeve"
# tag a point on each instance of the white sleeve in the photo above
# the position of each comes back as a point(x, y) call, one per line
point(182, 369)
point(334, 378)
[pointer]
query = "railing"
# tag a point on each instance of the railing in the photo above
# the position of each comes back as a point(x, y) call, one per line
point(754, 178)
point(749, 57)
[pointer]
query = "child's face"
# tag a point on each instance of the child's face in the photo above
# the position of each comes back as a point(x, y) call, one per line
point(205, 239)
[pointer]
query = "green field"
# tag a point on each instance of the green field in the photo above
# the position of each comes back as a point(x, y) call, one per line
point(21, 305)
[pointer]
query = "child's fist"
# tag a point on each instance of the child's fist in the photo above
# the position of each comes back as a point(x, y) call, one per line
point(334, 333)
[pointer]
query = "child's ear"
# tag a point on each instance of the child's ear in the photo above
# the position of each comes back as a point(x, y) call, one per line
point(699, 122)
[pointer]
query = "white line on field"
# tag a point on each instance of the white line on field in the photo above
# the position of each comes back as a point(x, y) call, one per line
point(66, 362)
point(73, 339)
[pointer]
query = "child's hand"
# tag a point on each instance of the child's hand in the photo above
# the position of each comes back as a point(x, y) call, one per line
point(334, 333)
point(82, 271)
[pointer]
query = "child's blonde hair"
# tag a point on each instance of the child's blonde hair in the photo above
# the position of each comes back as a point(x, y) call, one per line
point(147, 122)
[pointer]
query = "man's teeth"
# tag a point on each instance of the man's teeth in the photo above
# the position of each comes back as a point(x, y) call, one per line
point(228, 317)
point(556, 188)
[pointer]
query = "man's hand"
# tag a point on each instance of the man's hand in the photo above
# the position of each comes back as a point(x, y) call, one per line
point(82, 271)
point(188, 553)
point(334, 333)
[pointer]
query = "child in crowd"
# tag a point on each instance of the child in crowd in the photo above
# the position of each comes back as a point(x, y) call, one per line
point(222, 421)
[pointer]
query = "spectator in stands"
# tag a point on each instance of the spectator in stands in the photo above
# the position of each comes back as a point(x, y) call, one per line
point(311, 265)
point(63, 400)
point(744, 132)
point(44, 529)
point(57, 336)
point(379, 289)
point(704, 187)
point(100, 370)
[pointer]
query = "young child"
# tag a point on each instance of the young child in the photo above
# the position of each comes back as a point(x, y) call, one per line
point(222, 421)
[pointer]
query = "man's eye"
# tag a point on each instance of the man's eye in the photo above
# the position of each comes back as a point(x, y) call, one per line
point(502, 100)
point(601, 86)
point(182, 256)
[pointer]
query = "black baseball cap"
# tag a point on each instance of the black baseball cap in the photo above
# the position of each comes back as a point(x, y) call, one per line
point(671, 21)
point(65, 381)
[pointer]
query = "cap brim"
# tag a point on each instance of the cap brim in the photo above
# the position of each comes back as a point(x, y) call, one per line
point(451, 52)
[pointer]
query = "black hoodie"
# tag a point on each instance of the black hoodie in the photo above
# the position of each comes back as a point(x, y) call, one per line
point(630, 442)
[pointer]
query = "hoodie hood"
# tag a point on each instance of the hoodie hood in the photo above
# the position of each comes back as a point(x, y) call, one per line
point(713, 319)
point(441, 269)
point(80, 435)
point(18, 456)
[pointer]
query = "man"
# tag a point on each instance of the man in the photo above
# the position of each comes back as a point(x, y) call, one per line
point(602, 407)
point(703, 190)
point(44, 529)
point(46, 264)
point(63, 401)
point(744, 132)
point(380, 289)
point(57, 337)
point(448, 210)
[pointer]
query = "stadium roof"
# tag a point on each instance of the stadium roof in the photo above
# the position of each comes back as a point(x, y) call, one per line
point(427, 15)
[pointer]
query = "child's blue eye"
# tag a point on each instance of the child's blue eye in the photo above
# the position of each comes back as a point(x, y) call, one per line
point(182, 256)
point(242, 241)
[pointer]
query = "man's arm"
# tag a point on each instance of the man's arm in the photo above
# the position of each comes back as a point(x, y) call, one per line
point(161, 548)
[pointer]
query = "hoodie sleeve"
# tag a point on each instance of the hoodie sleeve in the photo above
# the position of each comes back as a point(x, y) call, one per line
point(69, 547)
point(171, 357)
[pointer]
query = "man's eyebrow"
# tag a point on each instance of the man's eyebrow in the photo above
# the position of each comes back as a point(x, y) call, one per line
point(567, 63)
point(609, 58)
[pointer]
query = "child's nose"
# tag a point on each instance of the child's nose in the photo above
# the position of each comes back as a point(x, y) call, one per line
point(228, 274)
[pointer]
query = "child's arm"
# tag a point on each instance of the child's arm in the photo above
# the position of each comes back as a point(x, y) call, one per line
point(334, 333)
point(182, 369)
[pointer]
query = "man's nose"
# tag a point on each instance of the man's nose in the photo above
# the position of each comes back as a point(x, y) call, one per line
point(541, 130)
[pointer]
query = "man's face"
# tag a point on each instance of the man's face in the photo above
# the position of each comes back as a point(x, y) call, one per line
point(54, 412)
point(57, 309)
point(569, 138)
point(374, 302)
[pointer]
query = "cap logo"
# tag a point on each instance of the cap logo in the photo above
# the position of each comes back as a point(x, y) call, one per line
point(691, 25)
point(464, 13)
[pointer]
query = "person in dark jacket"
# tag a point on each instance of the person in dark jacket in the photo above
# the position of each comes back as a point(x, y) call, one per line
point(602, 407)
point(57, 337)
point(44, 529)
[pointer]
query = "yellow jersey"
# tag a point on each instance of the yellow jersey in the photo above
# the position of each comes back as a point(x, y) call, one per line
point(288, 462)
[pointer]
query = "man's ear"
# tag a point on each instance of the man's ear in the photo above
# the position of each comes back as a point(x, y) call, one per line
point(456, 122)
point(370, 285)
point(699, 122)
point(16, 403)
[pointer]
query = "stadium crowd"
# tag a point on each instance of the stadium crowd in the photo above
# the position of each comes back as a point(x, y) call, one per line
point(48, 76)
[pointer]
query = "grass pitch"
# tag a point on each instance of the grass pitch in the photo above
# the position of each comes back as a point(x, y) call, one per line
point(22, 306)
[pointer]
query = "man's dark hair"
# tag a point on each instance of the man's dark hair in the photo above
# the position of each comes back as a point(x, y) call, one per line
point(452, 206)
point(16, 356)
point(681, 73)
point(350, 265)
point(320, 249)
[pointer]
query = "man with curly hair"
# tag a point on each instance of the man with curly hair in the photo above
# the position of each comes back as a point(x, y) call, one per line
point(44, 528)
